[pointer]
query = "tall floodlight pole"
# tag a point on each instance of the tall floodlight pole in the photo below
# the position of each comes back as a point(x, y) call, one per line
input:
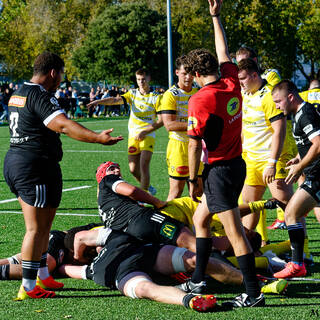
point(169, 37)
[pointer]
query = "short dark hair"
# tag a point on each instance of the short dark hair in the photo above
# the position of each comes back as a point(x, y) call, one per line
point(142, 72)
point(181, 61)
point(286, 85)
point(248, 51)
point(248, 65)
point(201, 61)
point(47, 61)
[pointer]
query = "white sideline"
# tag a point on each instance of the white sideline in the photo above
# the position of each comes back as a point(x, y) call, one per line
point(64, 190)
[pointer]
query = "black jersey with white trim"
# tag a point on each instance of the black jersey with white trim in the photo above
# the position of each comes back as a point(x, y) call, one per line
point(31, 108)
point(305, 126)
point(115, 209)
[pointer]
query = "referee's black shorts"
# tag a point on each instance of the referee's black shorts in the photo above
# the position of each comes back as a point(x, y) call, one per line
point(223, 182)
point(37, 180)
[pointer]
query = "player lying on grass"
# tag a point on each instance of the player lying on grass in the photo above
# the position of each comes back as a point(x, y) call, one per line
point(128, 264)
point(58, 254)
point(169, 223)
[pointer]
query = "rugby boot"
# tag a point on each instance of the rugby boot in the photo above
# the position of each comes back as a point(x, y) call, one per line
point(36, 293)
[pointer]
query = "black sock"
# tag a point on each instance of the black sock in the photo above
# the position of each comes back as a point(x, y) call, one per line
point(204, 246)
point(248, 269)
point(296, 235)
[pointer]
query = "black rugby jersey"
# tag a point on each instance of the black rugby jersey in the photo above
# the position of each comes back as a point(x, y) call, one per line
point(115, 209)
point(31, 108)
point(305, 126)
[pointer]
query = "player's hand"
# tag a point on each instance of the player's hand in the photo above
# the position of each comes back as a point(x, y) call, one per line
point(194, 192)
point(105, 138)
point(160, 204)
point(295, 160)
point(269, 174)
point(92, 103)
point(140, 136)
point(215, 6)
point(294, 173)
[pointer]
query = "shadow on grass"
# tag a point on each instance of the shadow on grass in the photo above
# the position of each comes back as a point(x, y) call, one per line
point(89, 296)
point(78, 209)
point(72, 180)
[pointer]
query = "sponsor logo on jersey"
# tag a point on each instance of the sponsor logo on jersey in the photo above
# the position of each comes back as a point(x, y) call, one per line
point(192, 123)
point(132, 149)
point(233, 106)
point(183, 170)
point(54, 101)
point(17, 101)
point(308, 128)
point(168, 230)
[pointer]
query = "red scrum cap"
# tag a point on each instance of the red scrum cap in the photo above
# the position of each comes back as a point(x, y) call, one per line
point(103, 168)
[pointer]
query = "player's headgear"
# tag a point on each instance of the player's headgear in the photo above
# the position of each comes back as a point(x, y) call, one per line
point(103, 168)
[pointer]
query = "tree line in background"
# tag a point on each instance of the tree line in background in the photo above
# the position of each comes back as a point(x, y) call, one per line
point(109, 40)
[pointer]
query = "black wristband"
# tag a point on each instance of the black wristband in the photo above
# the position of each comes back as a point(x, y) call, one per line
point(195, 180)
point(215, 15)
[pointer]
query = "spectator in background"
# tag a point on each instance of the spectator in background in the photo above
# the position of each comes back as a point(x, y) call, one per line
point(92, 97)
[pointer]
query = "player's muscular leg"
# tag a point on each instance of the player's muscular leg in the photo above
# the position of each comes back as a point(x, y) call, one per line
point(280, 190)
point(175, 188)
point(300, 204)
point(134, 166)
point(145, 159)
point(235, 231)
point(38, 223)
point(249, 194)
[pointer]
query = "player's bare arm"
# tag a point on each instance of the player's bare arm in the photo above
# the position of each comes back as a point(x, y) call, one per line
point(194, 151)
point(82, 240)
point(109, 101)
point(278, 137)
point(171, 124)
point(153, 127)
point(74, 130)
point(138, 194)
point(219, 34)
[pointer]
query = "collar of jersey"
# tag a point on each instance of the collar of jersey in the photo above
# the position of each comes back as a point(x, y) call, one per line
point(34, 84)
point(213, 82)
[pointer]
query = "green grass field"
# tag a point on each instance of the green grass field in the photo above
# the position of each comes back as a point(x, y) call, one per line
point(84, 299)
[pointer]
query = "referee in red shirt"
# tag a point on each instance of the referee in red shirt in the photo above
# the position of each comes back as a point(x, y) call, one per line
point(214, 124)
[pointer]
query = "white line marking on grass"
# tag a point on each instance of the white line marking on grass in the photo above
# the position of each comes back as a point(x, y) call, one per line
point(60, 214)
point(64, 190)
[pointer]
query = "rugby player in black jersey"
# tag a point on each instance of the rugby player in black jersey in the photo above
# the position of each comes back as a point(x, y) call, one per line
point(306, 131)
point(31, 166)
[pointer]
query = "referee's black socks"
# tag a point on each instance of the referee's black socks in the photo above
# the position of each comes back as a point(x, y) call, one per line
point(248, 269)
point(204, 247)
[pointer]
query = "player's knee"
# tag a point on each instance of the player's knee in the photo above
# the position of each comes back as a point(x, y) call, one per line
point(138, 288)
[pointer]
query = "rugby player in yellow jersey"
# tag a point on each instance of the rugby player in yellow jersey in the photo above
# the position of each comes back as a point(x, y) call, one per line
point(312, 95)
point(265, 148)
point(272, 76)
point(143, 121)
point(174, 114)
